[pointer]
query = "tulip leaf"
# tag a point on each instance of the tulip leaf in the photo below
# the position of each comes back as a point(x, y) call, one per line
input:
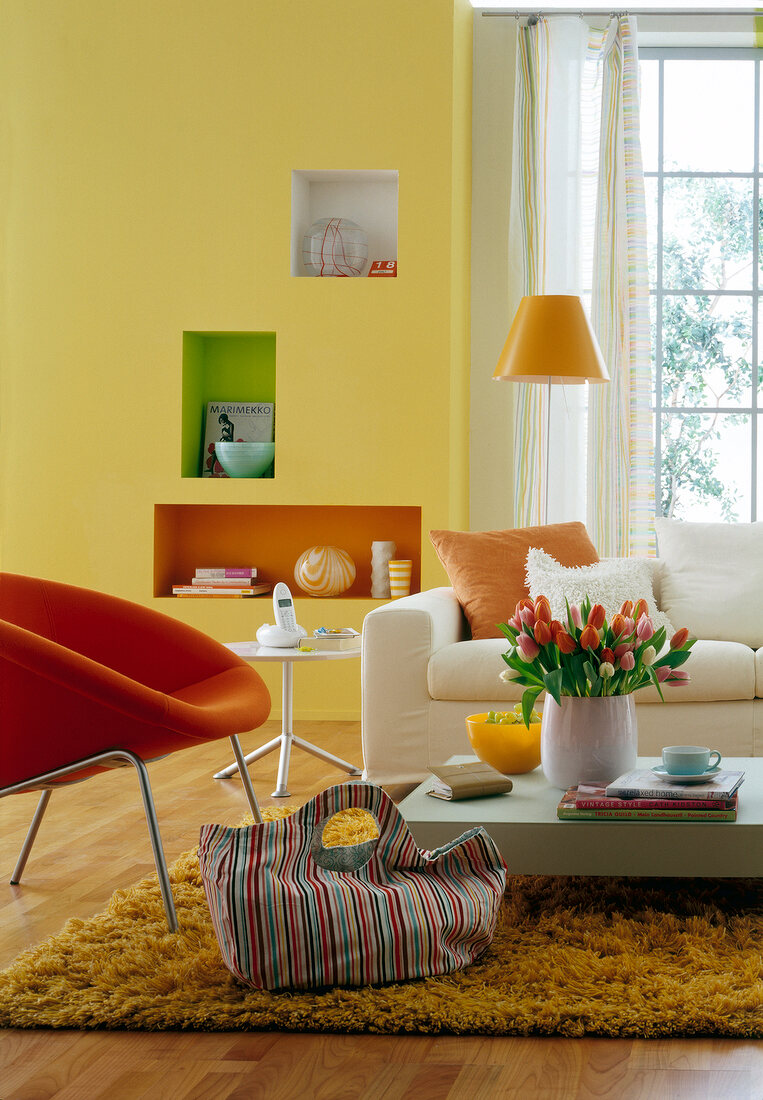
point(528, 703)
point(553, 681)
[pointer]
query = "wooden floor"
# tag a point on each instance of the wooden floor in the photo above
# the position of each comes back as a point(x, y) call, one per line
point(93, 840)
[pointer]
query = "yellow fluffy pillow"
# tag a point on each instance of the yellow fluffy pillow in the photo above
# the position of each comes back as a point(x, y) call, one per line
point(487, 568)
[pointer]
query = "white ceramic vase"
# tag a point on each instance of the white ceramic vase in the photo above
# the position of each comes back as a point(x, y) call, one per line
point(381, 553)
point(588, 740)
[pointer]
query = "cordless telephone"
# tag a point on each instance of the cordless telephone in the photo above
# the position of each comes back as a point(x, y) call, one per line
point(286, 634)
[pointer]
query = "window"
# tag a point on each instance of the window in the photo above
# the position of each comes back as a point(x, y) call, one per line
point(700, 127)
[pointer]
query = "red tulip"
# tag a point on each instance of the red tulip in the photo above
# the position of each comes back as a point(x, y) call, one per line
point(542, 633)
point(618, 625)
point(607, 655)
point(543, 609)
point(566, 642)
point(596, 616)
point(679, 638)
point(627, 609)
point(589, 639)
point(641, 608)
point(555, 627)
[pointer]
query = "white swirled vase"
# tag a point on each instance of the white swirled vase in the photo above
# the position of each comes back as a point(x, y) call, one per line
point(324, 571)
point(588, 740)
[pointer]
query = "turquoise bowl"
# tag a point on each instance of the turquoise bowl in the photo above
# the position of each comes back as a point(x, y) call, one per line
point(245, 459)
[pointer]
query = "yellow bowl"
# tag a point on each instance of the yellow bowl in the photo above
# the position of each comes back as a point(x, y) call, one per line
point(511, 750)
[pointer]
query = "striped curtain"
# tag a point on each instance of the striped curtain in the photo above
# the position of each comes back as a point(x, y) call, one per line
point(528, 222)
point(599, 199)
point(620, 490)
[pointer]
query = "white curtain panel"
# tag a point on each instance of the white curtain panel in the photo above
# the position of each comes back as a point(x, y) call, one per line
point(577, 226)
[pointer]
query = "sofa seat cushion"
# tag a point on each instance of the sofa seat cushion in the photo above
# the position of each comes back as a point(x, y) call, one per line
point(471, 670)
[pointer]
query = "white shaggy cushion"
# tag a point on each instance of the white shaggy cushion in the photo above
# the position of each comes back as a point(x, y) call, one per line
point(712, 579)
point(609, 582)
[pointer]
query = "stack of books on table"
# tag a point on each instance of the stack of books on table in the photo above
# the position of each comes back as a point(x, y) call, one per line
point(644, 796)
point(325, 638)
point(231, 582)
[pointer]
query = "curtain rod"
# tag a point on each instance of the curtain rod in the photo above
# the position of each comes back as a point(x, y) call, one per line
point(517, 14)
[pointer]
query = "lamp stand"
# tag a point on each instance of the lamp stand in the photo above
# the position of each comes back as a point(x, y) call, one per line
point(548, 452)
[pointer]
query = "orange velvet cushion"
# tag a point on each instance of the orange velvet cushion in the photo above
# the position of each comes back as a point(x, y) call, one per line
point(487, 568)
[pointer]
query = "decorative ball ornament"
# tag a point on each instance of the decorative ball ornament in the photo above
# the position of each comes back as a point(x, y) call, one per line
point(324, 571)
point(335, 248)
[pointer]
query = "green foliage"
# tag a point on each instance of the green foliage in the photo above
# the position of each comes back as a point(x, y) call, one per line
point(707, 243)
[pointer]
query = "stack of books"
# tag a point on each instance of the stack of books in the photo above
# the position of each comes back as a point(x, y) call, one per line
point(333, 638)
point(231, 582)
point(644, 796)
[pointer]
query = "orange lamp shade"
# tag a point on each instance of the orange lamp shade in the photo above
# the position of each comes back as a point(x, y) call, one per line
point(551, 341)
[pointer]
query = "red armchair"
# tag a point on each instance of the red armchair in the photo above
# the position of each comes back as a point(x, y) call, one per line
point(90, 681)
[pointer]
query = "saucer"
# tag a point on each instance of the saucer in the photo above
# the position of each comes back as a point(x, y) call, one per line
point(662, 771)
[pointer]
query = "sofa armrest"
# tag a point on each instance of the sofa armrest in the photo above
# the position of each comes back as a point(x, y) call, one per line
point(398, 640)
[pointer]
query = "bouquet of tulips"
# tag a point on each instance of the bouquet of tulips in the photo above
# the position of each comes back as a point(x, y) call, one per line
point(589, 656)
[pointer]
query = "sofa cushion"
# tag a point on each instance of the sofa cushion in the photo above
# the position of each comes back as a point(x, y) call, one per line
point(471, 670)
point(610, 582)
point(487, 568)
point(712, 580)
point(759, 673)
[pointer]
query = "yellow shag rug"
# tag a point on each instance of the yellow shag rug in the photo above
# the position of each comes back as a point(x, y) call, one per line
point(571, 956)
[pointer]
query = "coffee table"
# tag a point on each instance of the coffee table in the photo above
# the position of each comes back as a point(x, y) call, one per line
point(253, 651)
point(533, 841)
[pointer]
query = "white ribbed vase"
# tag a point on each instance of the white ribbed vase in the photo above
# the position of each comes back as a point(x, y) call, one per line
point(588, 740)
point(381, 553)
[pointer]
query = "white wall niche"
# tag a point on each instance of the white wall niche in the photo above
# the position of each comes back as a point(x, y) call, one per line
point(368, 197)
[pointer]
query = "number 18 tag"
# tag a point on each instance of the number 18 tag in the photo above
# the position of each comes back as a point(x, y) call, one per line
point(382, 268)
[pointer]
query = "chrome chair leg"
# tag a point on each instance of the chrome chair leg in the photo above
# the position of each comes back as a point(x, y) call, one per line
point(246, 779)
point(156, 840)
point(102, 759)
point(26, 847)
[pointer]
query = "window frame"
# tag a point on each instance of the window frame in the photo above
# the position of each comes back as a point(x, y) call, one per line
point(658, 291)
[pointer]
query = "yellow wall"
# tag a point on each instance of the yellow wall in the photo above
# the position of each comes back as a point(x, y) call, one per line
point(146, 190)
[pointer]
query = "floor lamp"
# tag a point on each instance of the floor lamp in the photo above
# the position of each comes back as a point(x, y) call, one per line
point(551, 342)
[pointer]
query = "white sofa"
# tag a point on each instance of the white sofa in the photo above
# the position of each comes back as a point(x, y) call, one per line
point(422, 675)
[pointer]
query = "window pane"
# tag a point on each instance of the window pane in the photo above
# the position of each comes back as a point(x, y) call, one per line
point(705, 472)
point(709, 116)
point(649, 75)
point(706, 349)
point(707, 234)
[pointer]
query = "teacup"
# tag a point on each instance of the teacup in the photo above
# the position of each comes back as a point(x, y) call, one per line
point(689, 759)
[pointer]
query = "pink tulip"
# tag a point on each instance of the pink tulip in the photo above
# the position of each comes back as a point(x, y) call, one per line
point(627, 662)
point(663, 672)
point(528, 647)
point(630, 626)
point(515, 622)
point(624, 647)
point(677, 677)
point(575, 615)
point(527, 615)
point(644, 628)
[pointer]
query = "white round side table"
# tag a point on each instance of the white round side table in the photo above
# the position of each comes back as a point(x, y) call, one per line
point(253, 651)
